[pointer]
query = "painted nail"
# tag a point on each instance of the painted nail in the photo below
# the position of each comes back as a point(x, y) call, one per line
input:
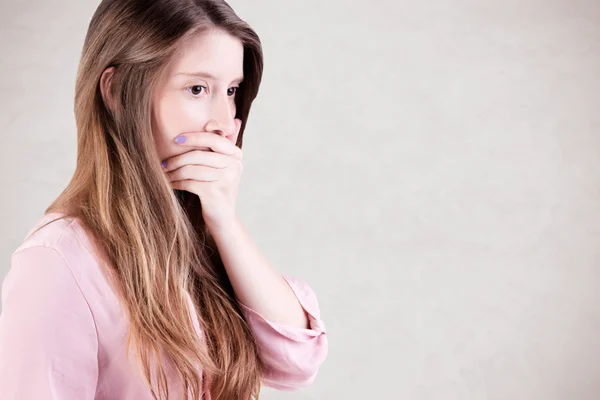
point(180, 139)
point(164, 164)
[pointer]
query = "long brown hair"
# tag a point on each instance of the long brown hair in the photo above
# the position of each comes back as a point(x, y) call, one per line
point(153, 238)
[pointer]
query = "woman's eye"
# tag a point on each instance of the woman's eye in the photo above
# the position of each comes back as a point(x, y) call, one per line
point(232, 91)
point(196, 89)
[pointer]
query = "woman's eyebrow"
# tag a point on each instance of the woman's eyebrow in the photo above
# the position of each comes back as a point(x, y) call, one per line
point(206, 75)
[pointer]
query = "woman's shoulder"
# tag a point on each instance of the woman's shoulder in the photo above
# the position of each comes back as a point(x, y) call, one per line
point(56, 242)
point(55, 262)
point(46, 313)
point(58, 232)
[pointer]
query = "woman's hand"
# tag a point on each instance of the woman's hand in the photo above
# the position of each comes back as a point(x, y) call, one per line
point(212, 170)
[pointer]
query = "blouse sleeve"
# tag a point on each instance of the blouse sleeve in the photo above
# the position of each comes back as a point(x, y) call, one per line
point(48, 340)
point(292, 356)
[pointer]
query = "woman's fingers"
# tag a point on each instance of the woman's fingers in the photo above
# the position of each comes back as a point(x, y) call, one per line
point(199, 173)
point(196, 157)
point(213, 141)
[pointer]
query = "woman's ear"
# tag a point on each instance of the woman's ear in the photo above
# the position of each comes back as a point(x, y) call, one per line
point(106, 86)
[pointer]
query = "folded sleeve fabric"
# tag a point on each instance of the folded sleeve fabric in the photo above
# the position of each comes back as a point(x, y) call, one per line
point(291, 355)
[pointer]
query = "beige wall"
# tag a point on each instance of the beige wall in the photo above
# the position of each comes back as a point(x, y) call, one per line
point(431, 168)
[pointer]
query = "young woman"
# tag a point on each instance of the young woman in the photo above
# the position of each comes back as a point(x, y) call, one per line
point(140, 282)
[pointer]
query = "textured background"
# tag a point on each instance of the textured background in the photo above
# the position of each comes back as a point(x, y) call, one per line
point(431, 168)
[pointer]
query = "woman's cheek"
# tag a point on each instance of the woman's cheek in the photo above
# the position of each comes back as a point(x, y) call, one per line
point(193, 115)
point(177, 115)
point(167, 124)
point(183, 116)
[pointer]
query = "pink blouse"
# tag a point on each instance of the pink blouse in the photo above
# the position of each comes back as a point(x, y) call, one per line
point(63, 331)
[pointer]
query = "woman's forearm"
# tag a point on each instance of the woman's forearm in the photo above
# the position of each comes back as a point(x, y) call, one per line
point(256, 284)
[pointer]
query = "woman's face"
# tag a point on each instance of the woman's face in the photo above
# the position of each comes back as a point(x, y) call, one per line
point(197, 92)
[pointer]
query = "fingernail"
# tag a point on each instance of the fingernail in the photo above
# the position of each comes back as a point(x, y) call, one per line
point(164, 164)
point(180, 139)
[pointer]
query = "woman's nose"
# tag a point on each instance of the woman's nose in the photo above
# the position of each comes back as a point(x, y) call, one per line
point(221, 120)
